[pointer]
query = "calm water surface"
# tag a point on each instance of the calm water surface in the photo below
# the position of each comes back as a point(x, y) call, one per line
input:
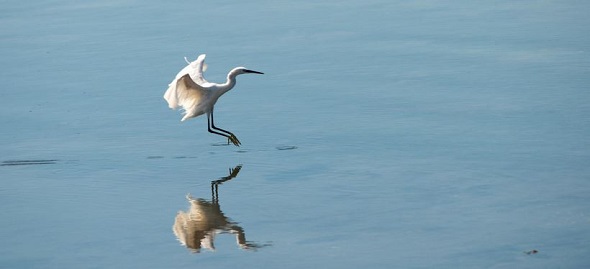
point(383, 134)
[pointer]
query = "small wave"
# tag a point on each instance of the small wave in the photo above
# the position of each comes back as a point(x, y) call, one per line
point(286, 147)
point(27, 162)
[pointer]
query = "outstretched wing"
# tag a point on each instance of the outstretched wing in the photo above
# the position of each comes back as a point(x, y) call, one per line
point(199, 68)
point(185, 93)
point(195, 69)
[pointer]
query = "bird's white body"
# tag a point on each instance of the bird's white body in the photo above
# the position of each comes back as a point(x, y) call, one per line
point(195, 102)
point(190, 91)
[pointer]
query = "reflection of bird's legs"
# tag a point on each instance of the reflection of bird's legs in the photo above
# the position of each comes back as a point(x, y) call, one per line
point(213, 129)
point(215, 183)
point(232, 174)
point(214, 193)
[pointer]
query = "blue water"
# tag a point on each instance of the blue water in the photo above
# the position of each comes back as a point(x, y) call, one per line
point(384, 134)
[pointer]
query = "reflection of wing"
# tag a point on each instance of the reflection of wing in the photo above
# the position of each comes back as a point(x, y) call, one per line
point(186, 94)
point(197, 227)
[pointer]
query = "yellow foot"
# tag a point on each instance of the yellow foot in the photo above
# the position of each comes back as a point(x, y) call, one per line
point(234, 140)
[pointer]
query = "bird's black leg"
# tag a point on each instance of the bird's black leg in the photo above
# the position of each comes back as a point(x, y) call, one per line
point(212, 129)
point(231, 137)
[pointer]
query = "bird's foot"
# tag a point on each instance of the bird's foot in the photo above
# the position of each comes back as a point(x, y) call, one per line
point(234, 140)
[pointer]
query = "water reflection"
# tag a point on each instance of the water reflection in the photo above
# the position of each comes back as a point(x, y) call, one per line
point(197, 228)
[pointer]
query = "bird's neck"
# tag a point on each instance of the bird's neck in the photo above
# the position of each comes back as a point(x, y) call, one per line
point(231, 80)
point(229, 83)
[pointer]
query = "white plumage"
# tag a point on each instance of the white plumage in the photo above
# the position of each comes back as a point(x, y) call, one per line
point(190, 91)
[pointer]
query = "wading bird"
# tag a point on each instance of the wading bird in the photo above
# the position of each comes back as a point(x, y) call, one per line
point(197, 96)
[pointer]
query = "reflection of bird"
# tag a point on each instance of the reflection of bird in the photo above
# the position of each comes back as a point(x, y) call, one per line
point(197, 227)
point(197, 96)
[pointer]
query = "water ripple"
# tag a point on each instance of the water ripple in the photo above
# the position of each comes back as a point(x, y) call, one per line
point(27, 162)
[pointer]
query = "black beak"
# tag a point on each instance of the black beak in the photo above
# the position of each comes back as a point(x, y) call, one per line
point(252, 71)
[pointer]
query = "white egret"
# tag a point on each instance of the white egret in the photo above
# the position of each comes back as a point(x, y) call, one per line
point(197, 96)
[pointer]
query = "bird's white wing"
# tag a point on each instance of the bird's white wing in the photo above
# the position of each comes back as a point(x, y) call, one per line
point(195, 69)
point(186, 94)
point(199, 68)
